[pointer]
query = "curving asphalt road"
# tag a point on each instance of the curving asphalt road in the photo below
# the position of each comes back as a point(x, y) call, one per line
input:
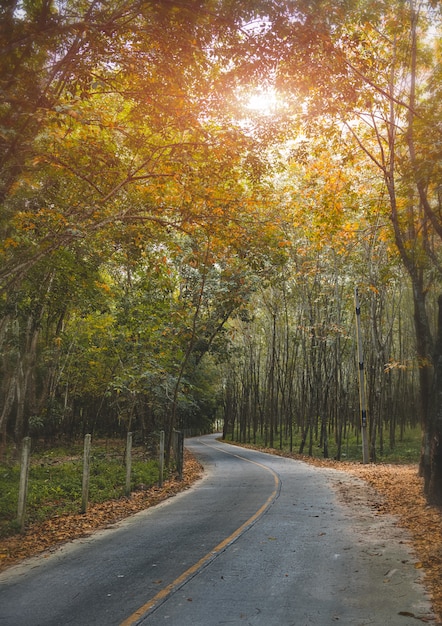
point(260, 540)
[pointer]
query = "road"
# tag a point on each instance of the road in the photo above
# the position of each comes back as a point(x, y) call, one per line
point(260, 540)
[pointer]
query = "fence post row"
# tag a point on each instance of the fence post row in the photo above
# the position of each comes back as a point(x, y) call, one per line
point(178, 446)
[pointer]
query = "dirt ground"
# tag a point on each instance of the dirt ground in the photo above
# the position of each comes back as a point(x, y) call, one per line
point(398, 491)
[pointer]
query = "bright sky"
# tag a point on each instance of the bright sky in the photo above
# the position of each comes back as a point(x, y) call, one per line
point(264, 102)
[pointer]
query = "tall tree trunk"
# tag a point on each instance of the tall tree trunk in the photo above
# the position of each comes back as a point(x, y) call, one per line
point(433, 473)
point(272, 404)
point(423, 347)
point(428, 388)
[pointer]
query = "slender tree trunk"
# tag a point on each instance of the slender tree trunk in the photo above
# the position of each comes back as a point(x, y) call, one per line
point(423, 348)
point(433, 477)
point(272, 405)
point(304, 438)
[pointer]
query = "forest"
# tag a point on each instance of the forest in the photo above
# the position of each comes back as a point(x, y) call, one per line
point(191, 194)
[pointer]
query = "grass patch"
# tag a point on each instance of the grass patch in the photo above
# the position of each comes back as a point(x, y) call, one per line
point(405, 449)
point(55, 481)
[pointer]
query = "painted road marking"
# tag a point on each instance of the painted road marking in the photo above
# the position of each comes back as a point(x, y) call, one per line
point(162, 595)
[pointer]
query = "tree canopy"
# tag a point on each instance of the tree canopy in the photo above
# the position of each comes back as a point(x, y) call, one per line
point(189, 193)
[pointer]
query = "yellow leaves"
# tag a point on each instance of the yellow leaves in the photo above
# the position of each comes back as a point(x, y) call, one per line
point(9, 242)
point(217, 211)
point(103, 286)
point(38, 159)
point(30, 225)
point(394, 364)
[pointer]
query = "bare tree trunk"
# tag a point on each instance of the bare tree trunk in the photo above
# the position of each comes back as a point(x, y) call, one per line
point(433, 473)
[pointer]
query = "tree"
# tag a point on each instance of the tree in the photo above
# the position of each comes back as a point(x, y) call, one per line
point(133, 179)
point(99, 156)
point(380, 91)
point(398, 111)
point(32, 321)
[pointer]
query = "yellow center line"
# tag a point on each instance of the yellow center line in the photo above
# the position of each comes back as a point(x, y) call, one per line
point(191, 571)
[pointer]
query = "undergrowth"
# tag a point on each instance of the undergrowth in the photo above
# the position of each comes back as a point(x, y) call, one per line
point(55, 481)
point(405, 448)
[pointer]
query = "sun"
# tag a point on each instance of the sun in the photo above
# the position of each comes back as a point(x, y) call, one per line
point(264, 102)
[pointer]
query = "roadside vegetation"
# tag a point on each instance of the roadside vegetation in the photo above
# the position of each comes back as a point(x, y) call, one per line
point(55, 481)
point(406, 450)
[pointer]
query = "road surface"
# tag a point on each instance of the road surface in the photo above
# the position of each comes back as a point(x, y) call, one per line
point(260, 540)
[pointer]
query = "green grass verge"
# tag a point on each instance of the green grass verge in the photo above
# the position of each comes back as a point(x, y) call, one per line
point(55, 482)
point(406, 448)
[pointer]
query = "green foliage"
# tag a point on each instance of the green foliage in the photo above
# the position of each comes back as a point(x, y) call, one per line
point(9, 481)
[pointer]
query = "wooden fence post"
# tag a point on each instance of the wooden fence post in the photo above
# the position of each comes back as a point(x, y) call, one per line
point(86, 472)
point(161, 468)
point(24, 479)
point(179, 452)
point(128, 462)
